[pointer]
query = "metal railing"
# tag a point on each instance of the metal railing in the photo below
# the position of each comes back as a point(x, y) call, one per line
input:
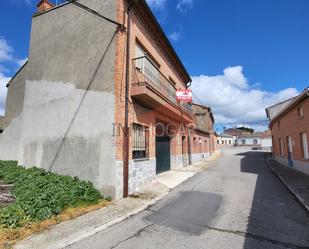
point(145, 71)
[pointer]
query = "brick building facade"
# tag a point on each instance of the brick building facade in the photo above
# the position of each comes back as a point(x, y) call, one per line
point(289, 124)
point(97, 98)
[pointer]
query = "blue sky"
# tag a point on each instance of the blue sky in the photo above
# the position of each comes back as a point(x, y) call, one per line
point(242, 55)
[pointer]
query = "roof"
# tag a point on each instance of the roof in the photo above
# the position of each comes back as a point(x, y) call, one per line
point(276, 108)
point(19, 70)
point(257, 135)
point(225, 135)
point(298, 99)
point(235, 132)
point(204, 113)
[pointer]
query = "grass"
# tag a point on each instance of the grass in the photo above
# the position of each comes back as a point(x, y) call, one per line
point(43, 199)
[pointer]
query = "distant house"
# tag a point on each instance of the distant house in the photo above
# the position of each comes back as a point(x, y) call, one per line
point(258, 139)
point(204, 141)
point(236, 133)
point(225, 140)
point(289, 124)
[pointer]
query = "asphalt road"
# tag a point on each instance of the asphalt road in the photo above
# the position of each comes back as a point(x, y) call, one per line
point(236, 203)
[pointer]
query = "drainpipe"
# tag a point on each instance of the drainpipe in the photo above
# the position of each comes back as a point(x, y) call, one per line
point(189, 144)
point(126, 143)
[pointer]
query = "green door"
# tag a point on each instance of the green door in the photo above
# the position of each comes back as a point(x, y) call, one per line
point(163, 154)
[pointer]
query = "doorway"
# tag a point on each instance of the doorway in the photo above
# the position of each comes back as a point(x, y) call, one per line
point(289, 150)
point(163, 154)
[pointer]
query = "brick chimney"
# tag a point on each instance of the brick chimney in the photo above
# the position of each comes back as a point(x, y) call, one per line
point(44, 5)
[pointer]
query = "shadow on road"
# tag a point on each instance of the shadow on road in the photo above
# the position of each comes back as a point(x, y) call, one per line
point(275, 216)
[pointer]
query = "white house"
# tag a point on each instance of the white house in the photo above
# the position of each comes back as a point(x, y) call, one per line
point(225, 140)
point(258, 139)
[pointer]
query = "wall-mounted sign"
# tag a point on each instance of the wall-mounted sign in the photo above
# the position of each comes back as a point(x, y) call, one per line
point(184, 95)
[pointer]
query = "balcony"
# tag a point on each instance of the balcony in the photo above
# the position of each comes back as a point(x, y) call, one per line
point(153, 90)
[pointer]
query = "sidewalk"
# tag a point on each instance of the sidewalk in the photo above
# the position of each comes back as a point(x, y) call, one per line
point(70, 232)
point(297, 182)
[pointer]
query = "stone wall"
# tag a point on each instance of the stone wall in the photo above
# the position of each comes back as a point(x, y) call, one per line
point(141, 172)
point(178, 161)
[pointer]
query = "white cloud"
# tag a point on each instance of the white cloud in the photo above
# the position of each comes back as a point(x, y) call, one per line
point(3, 81)
point(21, 62)
point(156, 4)
point(176, 35)
point(5, 50)
point(184, 5)
point(6, 55)
point(233, 99)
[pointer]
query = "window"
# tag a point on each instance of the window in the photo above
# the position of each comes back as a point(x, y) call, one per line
point(304, 145)
point(300, 111)
point(281, 147)
point(230, 142)
point(243, 141)
point(140, 141)
point(255, 141)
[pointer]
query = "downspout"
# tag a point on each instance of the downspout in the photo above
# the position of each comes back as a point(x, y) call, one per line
point(126, 123)
point(189, 145)
point(189, 134)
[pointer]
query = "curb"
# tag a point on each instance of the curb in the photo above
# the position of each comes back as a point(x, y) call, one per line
point(90, 231)
point(297, 196)
point(94, 230)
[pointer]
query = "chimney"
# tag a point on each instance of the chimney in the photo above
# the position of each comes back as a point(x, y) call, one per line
point(44, 5)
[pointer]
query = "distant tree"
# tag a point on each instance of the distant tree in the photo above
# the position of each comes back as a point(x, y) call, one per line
point(246, 129)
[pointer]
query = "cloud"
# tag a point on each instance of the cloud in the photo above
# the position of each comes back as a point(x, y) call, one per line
point(6, 58)
point(21, 62)
point(233, 99)
point(184, 5)
point(156, 4)
point(5, 50)
point(176, 35)
point(3, 81)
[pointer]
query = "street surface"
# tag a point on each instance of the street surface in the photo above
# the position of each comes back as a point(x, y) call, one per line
point(236, 203)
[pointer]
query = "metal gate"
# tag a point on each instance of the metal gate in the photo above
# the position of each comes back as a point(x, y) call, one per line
point(163, 154)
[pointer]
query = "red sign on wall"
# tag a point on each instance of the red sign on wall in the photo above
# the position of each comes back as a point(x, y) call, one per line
point(184, 95)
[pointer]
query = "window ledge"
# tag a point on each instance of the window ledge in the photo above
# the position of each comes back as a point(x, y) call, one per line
point(141, 159)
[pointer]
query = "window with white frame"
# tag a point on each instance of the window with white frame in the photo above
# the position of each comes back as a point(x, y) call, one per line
point(243, 141)
point(140, 141)
point(304, 145)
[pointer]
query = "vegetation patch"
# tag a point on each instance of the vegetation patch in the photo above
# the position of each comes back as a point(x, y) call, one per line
point(42, 199)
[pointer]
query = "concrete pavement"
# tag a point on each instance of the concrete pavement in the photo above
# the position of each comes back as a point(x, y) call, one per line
point(297, 182)
point(236, 203)
point(86, 226)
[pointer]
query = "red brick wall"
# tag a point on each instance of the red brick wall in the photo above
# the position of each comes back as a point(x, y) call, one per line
point(138, 114)
point(291, 125)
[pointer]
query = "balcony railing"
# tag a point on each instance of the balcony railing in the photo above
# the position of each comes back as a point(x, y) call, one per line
point(146, 72)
